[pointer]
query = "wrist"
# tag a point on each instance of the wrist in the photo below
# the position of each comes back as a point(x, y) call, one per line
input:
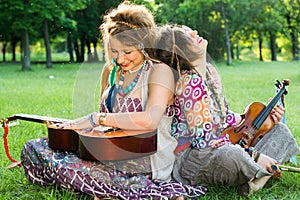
point(256, 157)
point(253, 153)
point(92, 118)
point(101, 118)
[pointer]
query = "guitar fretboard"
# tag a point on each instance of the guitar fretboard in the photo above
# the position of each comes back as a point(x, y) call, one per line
point(37, 118)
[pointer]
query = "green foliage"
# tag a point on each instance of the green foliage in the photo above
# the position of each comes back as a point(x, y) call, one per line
point(166, 11)
point(200, 15)
point(149, 4)
point(80, 19)
point(247, 20)
point(35, 92)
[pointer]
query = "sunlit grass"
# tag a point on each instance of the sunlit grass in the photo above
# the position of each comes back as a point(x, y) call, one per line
point(50, 92)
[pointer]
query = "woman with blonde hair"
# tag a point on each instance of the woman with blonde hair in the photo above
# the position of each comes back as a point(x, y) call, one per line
point(136, 95)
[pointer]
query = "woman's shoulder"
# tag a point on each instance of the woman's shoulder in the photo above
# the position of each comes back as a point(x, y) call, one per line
point(158, 63)
point(160, 67)
point(162, 74)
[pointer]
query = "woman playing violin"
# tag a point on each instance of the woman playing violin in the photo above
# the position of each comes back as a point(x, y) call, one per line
point(204, 155)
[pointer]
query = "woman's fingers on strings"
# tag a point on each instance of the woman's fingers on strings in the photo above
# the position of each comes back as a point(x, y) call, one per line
point(66, 125)
point(276, 116)
point(277, 112)
point(279, 108)
point(48, 123)
point(54, 125)
point(51, 124)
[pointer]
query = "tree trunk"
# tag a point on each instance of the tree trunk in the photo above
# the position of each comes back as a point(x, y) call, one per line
point(103, 52)
point(294, 37)
point(82, 51)
point(260, 42)
point(70, 48)
point(228, 48)
point(273, 46)
point(89, 53)
point(13, 49)
point(76, 47)
point(96, 58)
point(237, 52)
point(4, 52)
point(25, 50)
point(295, 50)
point(47, 45)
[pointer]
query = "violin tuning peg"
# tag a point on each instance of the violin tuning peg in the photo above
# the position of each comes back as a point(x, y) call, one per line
point(286, 81)
point(277, 84)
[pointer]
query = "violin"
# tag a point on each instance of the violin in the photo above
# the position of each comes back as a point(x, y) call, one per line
point(256, 120)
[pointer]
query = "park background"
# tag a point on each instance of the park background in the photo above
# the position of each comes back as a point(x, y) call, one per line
point(45, 44)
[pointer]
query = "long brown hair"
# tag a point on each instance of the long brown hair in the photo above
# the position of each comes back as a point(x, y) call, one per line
point(174, 48)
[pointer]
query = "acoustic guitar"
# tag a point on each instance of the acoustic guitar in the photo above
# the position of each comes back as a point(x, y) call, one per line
point(102, 143)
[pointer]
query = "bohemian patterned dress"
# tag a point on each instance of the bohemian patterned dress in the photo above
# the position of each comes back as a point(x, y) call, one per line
point(201, 113)
point(140, 178)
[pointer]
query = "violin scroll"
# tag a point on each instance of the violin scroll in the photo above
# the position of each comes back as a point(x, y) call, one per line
point(282, 84)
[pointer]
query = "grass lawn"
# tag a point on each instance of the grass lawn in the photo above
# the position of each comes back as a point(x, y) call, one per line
point(71, 90)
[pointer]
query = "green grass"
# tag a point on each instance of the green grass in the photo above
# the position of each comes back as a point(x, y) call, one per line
point(35, 92)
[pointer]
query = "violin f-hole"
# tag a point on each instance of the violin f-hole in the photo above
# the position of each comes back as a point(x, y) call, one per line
point(240, 128)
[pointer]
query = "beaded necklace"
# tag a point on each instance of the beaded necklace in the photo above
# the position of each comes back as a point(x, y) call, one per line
point(123, 92)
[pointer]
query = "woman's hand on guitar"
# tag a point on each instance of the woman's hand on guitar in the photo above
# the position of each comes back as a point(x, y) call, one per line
point(277, 113)
point(86, 122)
point(266, 162)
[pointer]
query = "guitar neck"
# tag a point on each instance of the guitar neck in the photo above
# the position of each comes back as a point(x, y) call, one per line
point(35, 118)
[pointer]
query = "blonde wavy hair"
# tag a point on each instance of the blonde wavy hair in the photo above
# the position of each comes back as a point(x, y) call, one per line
point(131, 24)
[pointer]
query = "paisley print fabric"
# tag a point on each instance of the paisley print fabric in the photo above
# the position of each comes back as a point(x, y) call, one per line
point(200, 109)
point(45, 166)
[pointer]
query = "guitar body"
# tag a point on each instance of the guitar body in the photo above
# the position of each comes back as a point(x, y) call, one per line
point(63, 140)
point(117, 145)
point(245, 133)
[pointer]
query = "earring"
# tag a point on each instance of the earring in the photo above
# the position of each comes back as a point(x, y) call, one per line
point(113, 62)
point(142, 49)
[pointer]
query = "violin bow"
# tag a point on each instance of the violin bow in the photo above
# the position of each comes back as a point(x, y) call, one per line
point(289, 168)
point(286, 168)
